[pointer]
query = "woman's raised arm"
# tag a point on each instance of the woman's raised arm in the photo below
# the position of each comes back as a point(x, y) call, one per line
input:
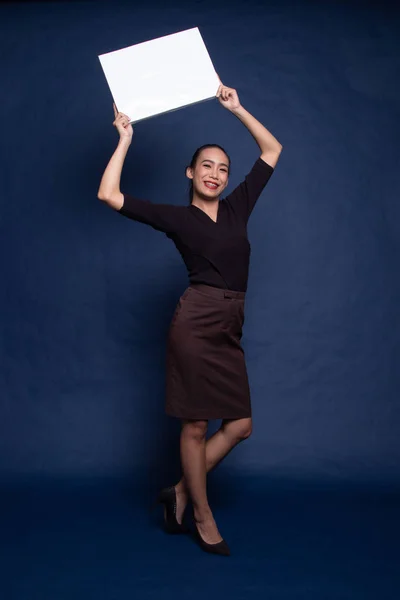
point(109, 190)
point(268, 144)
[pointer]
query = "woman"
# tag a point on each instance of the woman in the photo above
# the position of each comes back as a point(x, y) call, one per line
point(206, 371)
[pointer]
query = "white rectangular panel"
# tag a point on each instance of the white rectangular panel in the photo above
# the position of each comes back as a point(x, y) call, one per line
point(160, 75)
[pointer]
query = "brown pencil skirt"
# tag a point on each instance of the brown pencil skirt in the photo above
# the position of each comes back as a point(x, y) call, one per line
point(206, 375)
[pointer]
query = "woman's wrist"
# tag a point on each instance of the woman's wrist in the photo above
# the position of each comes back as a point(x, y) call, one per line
point(124, 142)
point(239, 111)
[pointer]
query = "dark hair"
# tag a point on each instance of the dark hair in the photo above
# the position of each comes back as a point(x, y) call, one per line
point(194, 161)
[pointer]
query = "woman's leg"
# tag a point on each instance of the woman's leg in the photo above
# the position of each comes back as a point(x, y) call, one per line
point(213, 451)
point(193, 458)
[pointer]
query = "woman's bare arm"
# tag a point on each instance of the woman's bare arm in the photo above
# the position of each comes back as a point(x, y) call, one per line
point(268, 144)
point(109, 190)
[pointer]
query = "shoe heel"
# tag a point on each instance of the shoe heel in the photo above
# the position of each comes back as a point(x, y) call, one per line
point(167, 497)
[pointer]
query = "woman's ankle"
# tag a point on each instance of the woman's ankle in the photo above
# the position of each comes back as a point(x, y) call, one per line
point(180, 488)
point(202, 515)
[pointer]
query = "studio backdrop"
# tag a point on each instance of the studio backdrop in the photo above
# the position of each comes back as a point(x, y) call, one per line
point(87, 296)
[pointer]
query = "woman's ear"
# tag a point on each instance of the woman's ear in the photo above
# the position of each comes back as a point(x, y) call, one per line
point(189, 172)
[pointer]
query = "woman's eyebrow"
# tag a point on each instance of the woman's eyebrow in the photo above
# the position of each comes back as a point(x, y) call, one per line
point(213, 161)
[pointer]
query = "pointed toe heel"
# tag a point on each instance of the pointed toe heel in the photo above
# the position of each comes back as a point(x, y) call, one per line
point(220, 548)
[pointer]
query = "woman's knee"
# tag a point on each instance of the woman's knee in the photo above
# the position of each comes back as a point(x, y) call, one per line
point(238, 429)
point(196, 430)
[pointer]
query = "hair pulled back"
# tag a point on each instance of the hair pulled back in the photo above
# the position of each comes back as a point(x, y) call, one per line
point(194, 161)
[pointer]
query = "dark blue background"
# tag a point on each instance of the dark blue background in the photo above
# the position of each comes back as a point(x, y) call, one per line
point(308, 505)
point(87, 295)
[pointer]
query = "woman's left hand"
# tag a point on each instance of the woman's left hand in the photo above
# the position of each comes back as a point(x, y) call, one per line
point(228, 97)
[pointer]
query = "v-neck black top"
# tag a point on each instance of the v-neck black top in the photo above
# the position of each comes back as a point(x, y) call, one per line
point(215, 253)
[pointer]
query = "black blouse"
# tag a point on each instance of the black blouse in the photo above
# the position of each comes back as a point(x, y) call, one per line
point(215, 253)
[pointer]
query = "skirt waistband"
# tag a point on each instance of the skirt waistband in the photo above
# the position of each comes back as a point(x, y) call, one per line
point(218, 292)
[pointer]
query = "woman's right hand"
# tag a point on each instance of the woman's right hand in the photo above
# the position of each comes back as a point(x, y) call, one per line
point(122, 125)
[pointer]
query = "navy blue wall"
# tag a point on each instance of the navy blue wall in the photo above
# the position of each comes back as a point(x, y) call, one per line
point(87, 296)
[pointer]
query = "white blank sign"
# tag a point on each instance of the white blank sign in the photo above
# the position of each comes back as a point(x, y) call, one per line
point(160, 75)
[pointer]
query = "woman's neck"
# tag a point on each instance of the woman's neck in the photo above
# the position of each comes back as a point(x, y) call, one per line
point(209, 205)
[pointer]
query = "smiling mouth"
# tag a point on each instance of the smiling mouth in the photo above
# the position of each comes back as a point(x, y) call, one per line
point(210, 185)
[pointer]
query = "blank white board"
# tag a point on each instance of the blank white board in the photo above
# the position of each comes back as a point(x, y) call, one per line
point(160, 75)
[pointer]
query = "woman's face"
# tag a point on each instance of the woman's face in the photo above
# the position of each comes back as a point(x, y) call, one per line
point(210, 174)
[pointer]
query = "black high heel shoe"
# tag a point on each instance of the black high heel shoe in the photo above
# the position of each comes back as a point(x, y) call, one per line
point(220, 548)
point(167, 497)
